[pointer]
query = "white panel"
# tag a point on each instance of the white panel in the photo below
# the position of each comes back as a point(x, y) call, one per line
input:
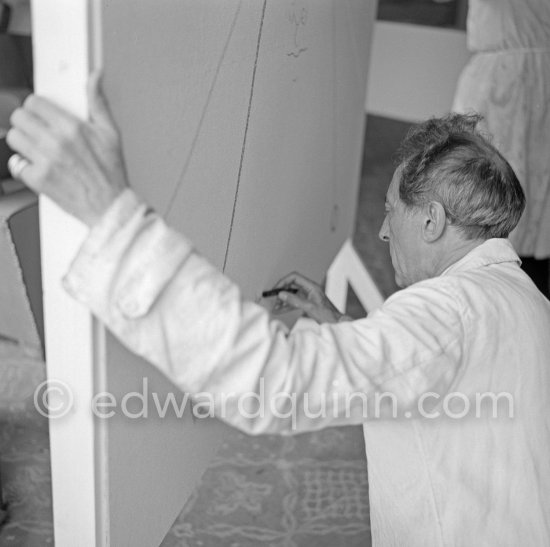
point(189, 80)
point(298, 186)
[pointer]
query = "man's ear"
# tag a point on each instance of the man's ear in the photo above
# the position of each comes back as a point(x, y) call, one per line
point(435, 221)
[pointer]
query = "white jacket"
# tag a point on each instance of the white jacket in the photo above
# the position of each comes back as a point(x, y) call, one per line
point(435, 347)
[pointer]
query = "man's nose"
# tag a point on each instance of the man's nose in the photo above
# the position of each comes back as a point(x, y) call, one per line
point(383, 234)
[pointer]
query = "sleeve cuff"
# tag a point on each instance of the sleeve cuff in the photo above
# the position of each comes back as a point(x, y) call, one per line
point(126, 205)
point(126, 260)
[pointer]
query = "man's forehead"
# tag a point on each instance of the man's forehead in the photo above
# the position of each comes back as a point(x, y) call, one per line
point(392, 193)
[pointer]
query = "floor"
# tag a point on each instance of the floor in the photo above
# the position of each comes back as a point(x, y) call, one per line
point(301, 491)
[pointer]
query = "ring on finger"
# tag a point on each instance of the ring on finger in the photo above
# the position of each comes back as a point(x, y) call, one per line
point(16, 165)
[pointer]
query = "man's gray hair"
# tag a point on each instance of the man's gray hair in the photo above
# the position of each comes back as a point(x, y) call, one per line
point(448, 160)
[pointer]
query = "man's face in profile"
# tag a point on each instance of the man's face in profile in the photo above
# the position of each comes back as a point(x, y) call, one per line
point(402, 229)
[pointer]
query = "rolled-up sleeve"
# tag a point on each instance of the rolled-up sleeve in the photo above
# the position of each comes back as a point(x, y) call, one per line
point(168, 304)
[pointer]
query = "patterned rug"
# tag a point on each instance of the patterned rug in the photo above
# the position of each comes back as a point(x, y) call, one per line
point(281, 492)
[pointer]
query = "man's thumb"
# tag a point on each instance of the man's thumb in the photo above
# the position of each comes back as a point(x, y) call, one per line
point(99, 111)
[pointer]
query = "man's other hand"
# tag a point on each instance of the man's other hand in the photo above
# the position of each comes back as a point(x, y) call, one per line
point(76, 163)
point(310, 298)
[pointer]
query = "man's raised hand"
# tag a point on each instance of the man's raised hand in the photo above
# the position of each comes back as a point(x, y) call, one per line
point(76, 163)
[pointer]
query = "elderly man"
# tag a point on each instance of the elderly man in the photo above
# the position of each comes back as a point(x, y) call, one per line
point(467, 324)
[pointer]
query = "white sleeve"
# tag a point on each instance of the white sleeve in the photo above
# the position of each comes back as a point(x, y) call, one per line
point(165, 302)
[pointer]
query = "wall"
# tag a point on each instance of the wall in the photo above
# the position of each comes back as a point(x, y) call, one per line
point(414, 70)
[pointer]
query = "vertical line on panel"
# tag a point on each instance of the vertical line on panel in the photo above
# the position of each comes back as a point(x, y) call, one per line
point(187, 162)
point(245, 134)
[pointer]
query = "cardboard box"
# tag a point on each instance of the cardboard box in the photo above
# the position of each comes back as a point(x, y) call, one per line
point(21, 317)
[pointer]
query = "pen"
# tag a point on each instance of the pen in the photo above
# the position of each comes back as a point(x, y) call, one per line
point(275, 292)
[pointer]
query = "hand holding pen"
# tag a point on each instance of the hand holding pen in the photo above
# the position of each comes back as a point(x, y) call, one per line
point(295, 291)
